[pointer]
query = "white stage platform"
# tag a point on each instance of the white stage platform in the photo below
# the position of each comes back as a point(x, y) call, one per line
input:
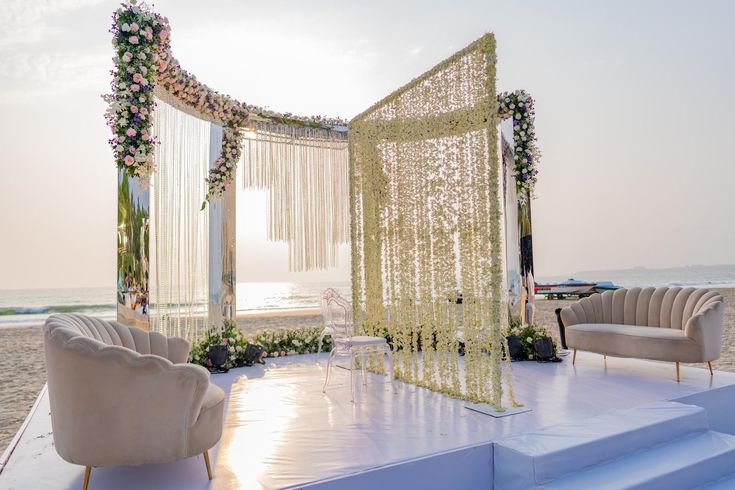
point(281, 431)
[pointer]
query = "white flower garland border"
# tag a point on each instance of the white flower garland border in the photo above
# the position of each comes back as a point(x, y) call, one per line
point(143, 60)
point(519, 106)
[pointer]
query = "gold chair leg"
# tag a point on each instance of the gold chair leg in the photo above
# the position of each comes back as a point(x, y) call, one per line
point(87, 472)
point(711, 373)
point(574, 357)
point(209, 466)
point(678, 378)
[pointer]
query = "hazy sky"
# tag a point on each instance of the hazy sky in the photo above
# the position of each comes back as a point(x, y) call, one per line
point(634, 107)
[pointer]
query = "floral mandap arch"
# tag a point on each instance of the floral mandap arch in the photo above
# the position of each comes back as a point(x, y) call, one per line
point(380, 141)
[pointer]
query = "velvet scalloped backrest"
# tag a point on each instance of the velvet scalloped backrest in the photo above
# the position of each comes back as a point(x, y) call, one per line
point(114, 333)
point(652, 307)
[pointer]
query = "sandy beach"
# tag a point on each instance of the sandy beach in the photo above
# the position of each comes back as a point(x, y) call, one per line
point(23, 370)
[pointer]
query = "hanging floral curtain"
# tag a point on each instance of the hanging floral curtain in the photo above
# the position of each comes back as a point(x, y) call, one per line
point(426, 226)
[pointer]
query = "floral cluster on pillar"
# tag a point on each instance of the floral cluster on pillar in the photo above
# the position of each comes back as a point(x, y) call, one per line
point(518, 106)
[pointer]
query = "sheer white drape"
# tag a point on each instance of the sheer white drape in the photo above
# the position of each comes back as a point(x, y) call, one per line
point(179, 229)
point(306, 172)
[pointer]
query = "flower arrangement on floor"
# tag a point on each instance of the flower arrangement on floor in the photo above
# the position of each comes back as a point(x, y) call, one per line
point(527, 335)
point(144, 63)
point(275, 344)
point(519, 106)
point(278, 343)
point(230, 336)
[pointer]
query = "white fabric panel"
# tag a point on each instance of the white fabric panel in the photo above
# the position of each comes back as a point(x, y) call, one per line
point(215, 212)
point(179, 229)
point(512, 240)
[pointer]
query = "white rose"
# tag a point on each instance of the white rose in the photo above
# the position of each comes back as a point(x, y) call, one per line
point(125, 27)
point(529, 339)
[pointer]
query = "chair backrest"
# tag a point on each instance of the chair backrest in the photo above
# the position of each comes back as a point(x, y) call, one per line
point(337, 313)
point(650, 307)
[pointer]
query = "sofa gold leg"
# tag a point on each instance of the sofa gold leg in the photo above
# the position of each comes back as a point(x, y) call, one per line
point(678, 378)
point(574, 357)
point(711, 373)
point(209, 466)
point(87, 472)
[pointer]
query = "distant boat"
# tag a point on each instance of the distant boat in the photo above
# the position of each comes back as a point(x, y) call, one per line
point(573, 287)
point(603, 286)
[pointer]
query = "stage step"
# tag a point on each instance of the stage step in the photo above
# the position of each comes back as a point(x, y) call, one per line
point(724, 483)
point(685, 463)
point(536, 458)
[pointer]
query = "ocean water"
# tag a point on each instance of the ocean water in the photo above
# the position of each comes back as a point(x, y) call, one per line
point(707, 276)
point(32, 306)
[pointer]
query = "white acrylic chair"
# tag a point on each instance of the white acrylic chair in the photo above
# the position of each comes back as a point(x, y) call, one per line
point(337, 313)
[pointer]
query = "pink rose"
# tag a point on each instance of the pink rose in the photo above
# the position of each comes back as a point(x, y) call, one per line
point(134, 109)
point(120, 139)
point(143, 111)
point(132, 150)
point(135, 87)
point(146, 137)
point(127, 56)
point(131, 132)
point(137, 78)
point(283, 353)
point(224, 340)
point(163, 35)
point(134, 27)
point(133, 40)
point(129, 160)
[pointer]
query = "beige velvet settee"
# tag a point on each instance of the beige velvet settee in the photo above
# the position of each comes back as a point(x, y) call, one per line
point(122, 396)
point(664, 324)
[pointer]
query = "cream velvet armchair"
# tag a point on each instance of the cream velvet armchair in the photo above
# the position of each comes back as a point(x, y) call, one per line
point(663, 324)
point(122, 396)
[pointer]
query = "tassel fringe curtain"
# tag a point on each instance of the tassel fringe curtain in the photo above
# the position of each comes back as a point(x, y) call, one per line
point(427, 249)
point(179, 230)
point(305, 171)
